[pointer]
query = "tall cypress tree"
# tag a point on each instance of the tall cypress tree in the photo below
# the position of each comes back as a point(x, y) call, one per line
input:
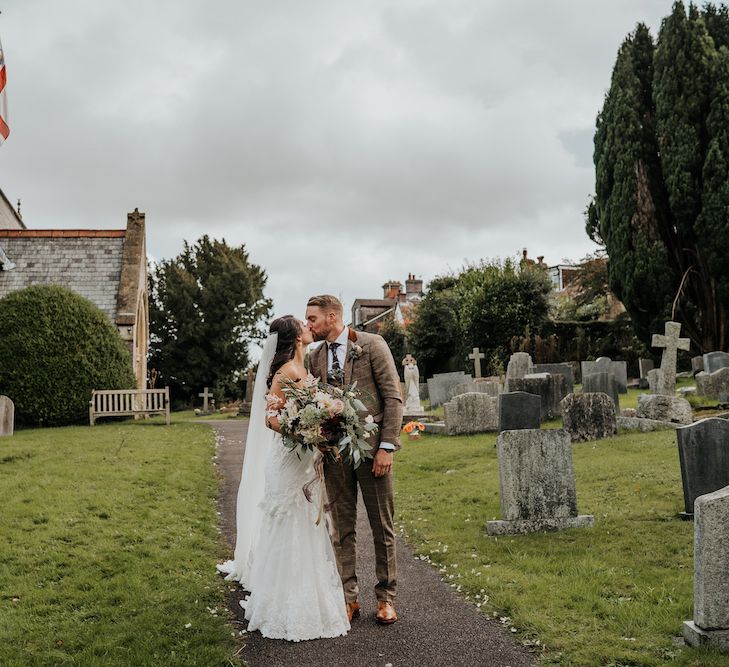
point(661, 199)
point(628, 212)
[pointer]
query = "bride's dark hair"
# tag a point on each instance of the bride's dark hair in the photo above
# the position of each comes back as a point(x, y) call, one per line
point(288, 329)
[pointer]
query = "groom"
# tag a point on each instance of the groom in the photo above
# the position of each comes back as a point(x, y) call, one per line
point(349, 356)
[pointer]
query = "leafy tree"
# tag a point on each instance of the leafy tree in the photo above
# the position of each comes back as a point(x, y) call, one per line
point(207, 305)
point(498, 301)
point(661, 195)
point(484, 306)
point(434, 334)
point(55, 348)
point(394, 336)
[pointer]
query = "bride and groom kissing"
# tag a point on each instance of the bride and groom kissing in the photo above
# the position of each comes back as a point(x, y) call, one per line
point(302, 581)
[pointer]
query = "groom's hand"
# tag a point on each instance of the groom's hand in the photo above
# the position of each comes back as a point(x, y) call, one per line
point(382, 463)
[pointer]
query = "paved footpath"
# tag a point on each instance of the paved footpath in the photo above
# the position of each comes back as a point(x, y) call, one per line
point(436, 627)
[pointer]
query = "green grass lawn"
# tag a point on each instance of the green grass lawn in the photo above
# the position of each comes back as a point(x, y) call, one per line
point(614, 595)
point(109, 545)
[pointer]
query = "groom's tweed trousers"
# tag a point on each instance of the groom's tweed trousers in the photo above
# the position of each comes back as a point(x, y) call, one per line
point(369, 363)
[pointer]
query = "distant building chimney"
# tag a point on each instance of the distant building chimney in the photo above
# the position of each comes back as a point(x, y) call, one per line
point(413, 286)
point(392, 289)
point(540, 260)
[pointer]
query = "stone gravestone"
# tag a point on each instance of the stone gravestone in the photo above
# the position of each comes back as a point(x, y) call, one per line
point(714, 385)
point(205, 395)
point(671, 343)
point(536, 483)
point(703, 451)
point(602, 382)
point(618, 369)
point(697, 365)
point(664, 408)
point(713, 361)
point(7, 416)
point(471, 413)
point(519, 410)
point(710, 625)
point(550, 389)
point(645, 366)
point(559, 369)
point(488, 386)
point(589, 416)
point(520, 364)
point(477, 356)
point(441, 384)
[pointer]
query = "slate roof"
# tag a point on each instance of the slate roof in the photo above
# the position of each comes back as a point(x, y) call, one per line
point(87, 261)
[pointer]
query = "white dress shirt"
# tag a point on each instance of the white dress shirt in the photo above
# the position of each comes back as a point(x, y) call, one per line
point(341, 353)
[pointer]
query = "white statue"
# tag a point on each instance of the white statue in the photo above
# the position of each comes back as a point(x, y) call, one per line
point(412, 386)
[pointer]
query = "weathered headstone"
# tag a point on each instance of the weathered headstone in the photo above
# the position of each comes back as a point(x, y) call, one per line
point(697, 364)
point(519, 410)
point(536, 483)
point(471, 413)
point(710, 625)
point(441, 385)
point(559, 369)
point(477, 356)
point(7, 416)
point(713, 361)
point(703, 451)
point(589, 416)
point(644, 367)
point(671, 343)
point(549, 388)
point(618, 369)
point(713, 385)
point(664, 408)
point(602, 382)
point(520, 364)
point(488, 386)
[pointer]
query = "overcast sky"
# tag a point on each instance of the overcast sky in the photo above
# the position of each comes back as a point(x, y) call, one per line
point(345, 143)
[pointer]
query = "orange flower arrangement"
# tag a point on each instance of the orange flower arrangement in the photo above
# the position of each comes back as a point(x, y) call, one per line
point(413, 429)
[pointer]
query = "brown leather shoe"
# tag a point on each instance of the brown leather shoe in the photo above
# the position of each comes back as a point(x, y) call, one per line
point(352, 610)
point(385, 613)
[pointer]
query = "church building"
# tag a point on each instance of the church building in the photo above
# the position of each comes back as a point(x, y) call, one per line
point(106, 266)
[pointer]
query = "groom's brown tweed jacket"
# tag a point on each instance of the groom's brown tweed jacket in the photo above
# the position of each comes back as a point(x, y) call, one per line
point(369, 363)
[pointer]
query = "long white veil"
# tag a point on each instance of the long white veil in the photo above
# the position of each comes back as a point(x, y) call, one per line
point(259, 442)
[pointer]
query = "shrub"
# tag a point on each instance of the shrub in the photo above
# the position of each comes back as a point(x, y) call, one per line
point(55, 348)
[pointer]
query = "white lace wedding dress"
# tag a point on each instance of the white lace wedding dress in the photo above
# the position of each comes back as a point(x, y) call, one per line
point(282, 557)
point(296, 591)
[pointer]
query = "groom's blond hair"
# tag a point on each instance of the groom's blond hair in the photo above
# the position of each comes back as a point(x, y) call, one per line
point(328, 303)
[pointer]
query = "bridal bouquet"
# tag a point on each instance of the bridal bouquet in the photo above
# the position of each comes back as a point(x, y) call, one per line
point(320, 415)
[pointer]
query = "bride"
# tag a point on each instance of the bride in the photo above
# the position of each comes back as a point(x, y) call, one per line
point(281, 556)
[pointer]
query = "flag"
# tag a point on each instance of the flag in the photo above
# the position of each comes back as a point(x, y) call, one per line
point(4, 129)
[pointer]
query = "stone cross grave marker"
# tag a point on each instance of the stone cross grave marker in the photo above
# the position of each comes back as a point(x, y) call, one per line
point(703, 452)
point(671, 343)
point(205, 395)
point(710, 625)
point(477, 355)
point(7, 416)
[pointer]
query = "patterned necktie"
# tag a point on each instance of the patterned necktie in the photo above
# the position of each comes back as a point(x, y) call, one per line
point(335, 374)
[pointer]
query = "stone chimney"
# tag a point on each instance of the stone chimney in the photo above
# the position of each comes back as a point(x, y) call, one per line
point(392, 289)
point(413, 286)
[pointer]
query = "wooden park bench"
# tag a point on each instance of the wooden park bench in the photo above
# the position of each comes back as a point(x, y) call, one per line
point(129, 403)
